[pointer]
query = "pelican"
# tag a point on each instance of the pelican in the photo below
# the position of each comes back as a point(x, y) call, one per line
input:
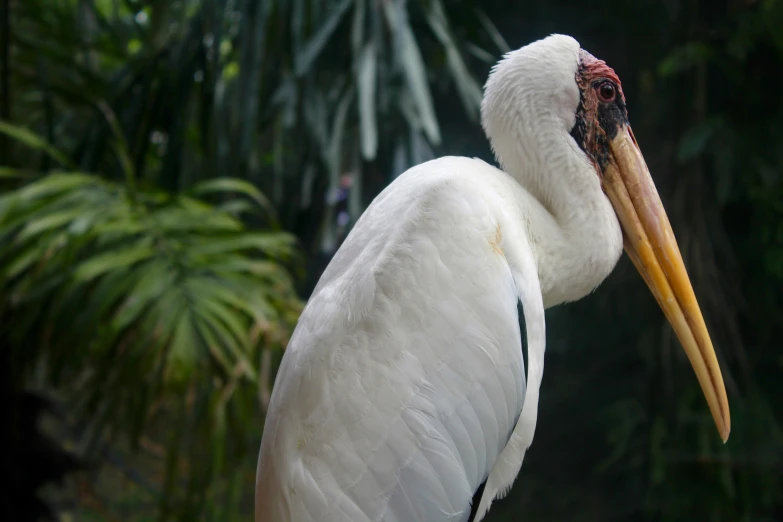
point(402, 395)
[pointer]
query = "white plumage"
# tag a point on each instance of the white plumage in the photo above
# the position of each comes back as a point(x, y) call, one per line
point(403, 388)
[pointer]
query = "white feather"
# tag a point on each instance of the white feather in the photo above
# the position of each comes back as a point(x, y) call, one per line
point(403, 386)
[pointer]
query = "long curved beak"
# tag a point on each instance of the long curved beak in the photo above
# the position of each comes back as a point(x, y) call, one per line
point(650, 243)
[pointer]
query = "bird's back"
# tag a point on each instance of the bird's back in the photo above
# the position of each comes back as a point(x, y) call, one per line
point(404, 378)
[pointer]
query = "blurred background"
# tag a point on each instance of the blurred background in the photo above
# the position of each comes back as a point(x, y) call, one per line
point(176, 174)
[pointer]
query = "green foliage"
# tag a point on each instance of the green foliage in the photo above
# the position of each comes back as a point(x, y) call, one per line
point(143, 306)
point(263, 91)
point(173, 273)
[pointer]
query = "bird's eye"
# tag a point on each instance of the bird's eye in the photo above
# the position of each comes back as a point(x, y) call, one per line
point(606, 92)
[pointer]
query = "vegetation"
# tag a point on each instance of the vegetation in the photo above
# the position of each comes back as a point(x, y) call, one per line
point(176, 174)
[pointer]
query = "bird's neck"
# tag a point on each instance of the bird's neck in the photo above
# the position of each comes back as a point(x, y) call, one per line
point(572, 228)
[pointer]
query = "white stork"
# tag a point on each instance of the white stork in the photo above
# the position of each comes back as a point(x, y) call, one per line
point(403, 390)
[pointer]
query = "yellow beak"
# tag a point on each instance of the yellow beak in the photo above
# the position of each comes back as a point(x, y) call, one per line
point(650, 243)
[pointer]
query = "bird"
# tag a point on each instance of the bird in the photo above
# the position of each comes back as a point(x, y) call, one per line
point(402, 395)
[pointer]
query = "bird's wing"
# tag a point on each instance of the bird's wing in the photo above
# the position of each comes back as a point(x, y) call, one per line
point(404, 379)
point(507, 465)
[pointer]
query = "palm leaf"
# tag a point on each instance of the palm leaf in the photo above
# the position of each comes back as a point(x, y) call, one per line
point(157, 285)
point(33, 141)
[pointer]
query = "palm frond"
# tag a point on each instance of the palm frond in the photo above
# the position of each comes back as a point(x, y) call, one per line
point(131, 302)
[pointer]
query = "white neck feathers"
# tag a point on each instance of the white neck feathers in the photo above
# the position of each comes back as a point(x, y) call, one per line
point(528, 111)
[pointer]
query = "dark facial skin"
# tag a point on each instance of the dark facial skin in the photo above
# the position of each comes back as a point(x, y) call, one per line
point(601, 111)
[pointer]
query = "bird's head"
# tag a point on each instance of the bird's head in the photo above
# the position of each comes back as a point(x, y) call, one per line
point(552, 96)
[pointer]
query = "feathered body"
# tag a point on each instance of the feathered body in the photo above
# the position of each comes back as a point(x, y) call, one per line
point(403, 388)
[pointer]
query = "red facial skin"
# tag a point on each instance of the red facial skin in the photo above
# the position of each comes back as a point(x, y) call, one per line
point(596, 116)
point(595, 69)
